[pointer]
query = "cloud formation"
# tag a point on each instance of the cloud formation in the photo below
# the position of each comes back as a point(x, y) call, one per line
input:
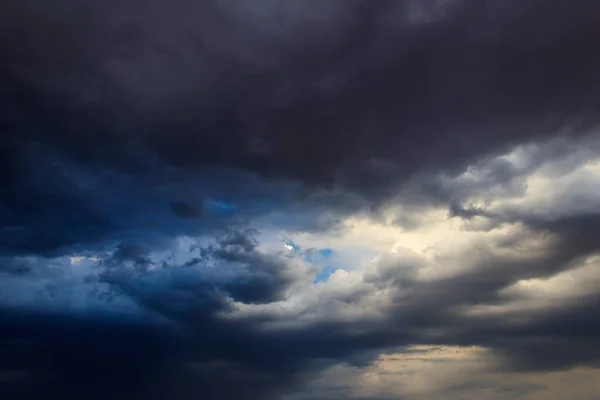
point(279, 200)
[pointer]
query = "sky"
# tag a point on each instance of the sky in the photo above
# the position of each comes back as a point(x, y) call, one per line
point(300, 200)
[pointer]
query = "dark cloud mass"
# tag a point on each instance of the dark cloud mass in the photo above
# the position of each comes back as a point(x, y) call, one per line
point(185, 210)
point(143, 143)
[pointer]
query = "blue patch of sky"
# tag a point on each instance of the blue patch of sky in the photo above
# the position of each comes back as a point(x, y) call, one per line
point(325, 252)
point(292, 245)
point(313, 256)
point(324, 275)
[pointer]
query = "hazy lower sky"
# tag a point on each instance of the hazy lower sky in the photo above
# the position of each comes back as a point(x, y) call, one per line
point(300, 200)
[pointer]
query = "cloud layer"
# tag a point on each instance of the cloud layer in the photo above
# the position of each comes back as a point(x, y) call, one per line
point(357, 199)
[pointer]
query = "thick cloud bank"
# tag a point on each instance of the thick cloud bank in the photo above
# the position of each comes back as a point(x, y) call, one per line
point(296, 200)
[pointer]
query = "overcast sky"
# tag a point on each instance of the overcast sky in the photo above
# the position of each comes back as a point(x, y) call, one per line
point(300, 200)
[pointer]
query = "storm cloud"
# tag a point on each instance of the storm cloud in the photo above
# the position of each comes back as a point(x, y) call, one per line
point(281, 200)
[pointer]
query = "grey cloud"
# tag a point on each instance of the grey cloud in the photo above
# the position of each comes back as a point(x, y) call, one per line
point(231, 266)
point(413, 98)
point(175, 345)
point(119, 120)
point(199, 342)
point(539, 340)
point(354, 97)
point(137, 255)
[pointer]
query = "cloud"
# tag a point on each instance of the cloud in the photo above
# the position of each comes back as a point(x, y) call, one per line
point(168, 342)
point(232, 309)
point(471, 73)
point(185, 210)
point(445, 372)
point(232, 200)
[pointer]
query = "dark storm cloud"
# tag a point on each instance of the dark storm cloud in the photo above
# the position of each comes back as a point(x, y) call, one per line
point(40, 216)
point(104, 356)
point(239, 269)
point(185, 210)
point(59, 207)
point(369, 96)
point(198, 349)
point(176, 346)
point(139, 256)
point(356, 94)
point(120, 120)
